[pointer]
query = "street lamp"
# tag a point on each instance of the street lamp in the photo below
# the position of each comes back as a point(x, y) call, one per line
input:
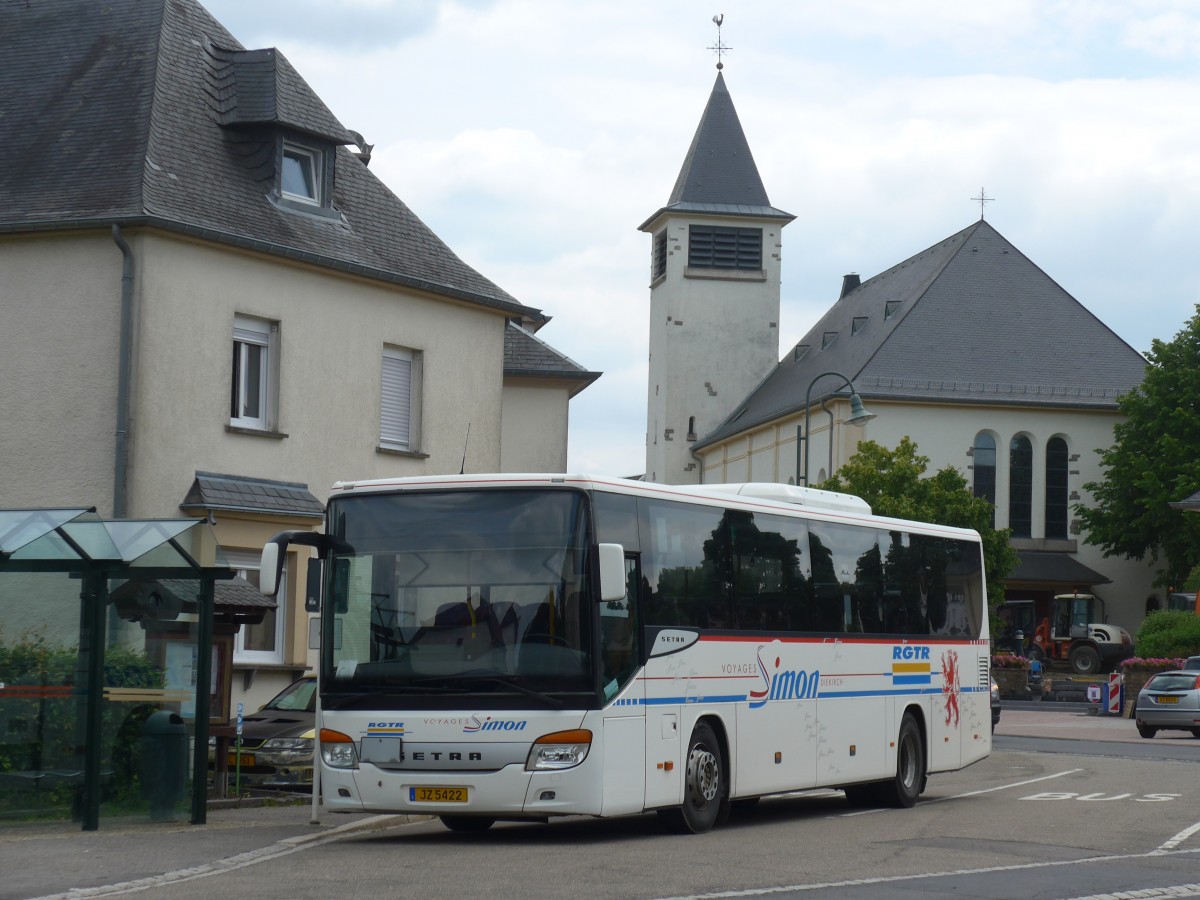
point(858, 415)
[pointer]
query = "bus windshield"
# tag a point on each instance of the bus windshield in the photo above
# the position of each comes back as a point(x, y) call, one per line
point(445, 599)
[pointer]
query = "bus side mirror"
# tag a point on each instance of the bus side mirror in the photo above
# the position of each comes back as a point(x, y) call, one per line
point(612, 572)
point(274, 555)
point(271, 568)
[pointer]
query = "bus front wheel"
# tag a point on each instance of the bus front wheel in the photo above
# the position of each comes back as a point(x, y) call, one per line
point(705, 786)
point(905, 787)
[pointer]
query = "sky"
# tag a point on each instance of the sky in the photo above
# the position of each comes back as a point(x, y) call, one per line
point(535, 136)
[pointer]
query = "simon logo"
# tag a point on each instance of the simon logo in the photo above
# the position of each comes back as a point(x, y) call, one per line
point(474, 725)
point(783, 684)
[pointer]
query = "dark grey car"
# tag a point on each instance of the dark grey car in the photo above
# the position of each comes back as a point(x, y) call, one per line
point(277, 740)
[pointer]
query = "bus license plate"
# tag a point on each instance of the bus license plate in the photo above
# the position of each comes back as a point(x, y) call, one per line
point(437, 794)
point(1166, 699)
point(247, 759)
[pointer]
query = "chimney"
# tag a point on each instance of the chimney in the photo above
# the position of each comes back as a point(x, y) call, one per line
point(849, 283)
point(363, 153)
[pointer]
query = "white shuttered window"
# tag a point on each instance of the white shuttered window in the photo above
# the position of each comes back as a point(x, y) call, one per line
point(396, 426)
point(255, 344)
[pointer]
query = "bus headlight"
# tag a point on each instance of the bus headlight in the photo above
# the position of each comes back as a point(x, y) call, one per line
point(337, 749)
point(560, 750)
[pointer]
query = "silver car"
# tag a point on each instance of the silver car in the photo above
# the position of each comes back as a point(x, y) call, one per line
point(1170, 701)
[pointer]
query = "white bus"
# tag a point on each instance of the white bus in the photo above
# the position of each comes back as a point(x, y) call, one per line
point(529, 646)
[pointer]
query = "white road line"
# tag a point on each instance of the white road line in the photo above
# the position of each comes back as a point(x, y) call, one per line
point(1178, 839)
point(991, 790)
point(219, 867)
point(1178, 890)
point(893, 879)
point(1005, 787)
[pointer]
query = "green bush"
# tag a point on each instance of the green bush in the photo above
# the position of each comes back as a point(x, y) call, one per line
point(1168, 633)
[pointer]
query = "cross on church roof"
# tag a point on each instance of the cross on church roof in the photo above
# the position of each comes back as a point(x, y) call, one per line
point(719, 48)
point(982, 199)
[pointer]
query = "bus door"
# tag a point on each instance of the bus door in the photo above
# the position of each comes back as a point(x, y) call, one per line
point(624, 695)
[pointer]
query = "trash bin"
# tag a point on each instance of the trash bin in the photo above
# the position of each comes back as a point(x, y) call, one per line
point(163, 763)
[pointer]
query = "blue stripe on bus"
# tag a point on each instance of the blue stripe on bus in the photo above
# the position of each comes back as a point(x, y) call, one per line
point(911, 679)
point(683, 701)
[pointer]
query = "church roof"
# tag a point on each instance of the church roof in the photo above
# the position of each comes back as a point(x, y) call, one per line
point(150, 113)
point(719, 176)
point(969, 320)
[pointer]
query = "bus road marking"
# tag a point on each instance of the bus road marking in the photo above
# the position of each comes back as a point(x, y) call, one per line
point(991, 790)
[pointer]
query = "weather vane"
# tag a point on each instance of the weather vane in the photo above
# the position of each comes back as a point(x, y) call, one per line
point(982, 199)
point(718, 47)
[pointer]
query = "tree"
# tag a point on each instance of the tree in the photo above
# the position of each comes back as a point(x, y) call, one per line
point(893, 482)
point(1154, 460)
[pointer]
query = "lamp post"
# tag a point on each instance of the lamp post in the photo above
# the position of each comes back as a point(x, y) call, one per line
point(858, 414)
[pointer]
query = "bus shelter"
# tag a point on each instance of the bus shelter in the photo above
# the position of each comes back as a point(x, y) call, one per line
point(108, 669)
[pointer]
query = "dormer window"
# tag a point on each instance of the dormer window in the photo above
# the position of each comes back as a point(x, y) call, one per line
point(302, 173)
point(304, 177)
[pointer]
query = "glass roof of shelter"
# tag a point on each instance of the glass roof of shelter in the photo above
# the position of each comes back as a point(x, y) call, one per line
point(19, 527)
point(79, 536)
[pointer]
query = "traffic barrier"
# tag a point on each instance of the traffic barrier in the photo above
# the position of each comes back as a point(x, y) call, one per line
point(1108, 697)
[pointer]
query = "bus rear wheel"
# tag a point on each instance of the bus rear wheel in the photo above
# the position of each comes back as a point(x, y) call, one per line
point(467, 824)
point(705, 786)
point(905, 787)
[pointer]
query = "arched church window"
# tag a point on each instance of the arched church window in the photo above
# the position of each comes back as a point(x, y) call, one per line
point(1056, 488)
point(985, 469)
point(1020, 486)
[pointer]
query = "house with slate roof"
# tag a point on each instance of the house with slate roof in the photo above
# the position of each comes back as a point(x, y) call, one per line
point(967, 347)
point(212, 305)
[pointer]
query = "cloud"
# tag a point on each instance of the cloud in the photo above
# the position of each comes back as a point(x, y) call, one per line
point(534, 137)
point(346, 24)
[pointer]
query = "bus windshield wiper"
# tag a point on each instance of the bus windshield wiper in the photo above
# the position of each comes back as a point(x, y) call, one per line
point(465, 681)
point(527, 691)
point(395, 691)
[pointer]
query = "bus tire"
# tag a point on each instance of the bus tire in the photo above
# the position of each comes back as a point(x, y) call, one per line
point(467, 824)
point(705, 786)
point(905, 787)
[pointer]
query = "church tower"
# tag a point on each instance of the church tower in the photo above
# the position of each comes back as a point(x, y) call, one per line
point(714, 292)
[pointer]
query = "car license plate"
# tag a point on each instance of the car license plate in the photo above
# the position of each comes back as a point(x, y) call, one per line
point(247, 759)
point(1166, 699)
point(437, 794)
